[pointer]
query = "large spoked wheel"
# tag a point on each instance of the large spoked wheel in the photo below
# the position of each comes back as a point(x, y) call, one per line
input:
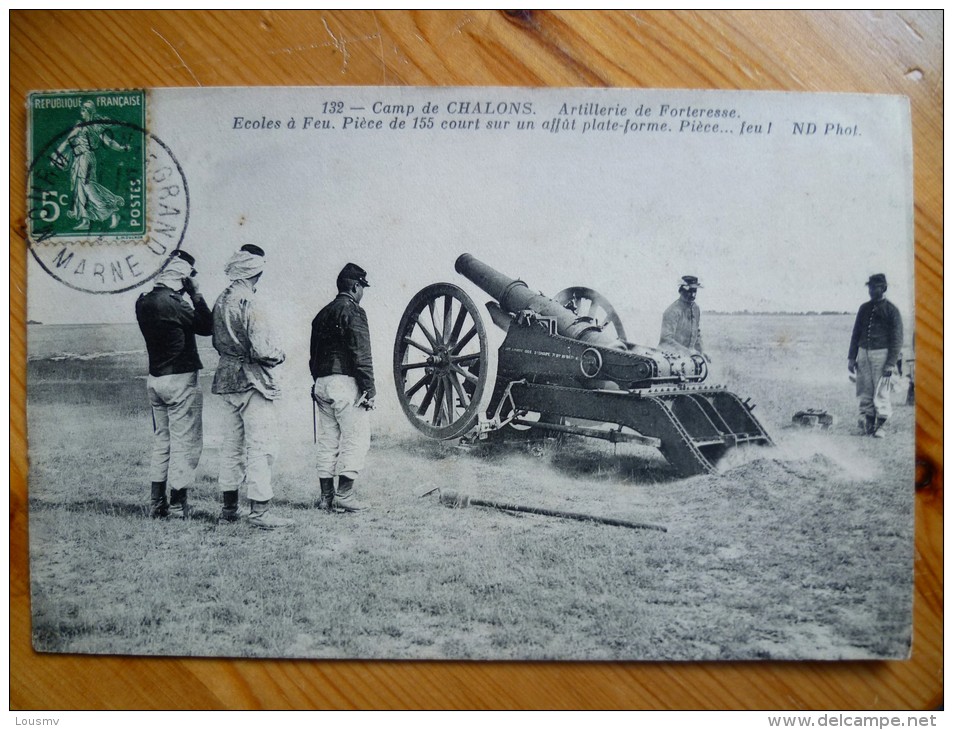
point(441, 361)
point(586, 302)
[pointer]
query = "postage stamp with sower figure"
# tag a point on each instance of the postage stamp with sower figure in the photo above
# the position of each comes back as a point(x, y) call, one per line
point(107, 201)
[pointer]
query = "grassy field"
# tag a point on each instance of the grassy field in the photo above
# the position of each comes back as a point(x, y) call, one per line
point(801, 551)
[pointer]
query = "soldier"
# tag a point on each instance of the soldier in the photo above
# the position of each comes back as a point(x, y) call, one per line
point(681, 321)
point(169, 324)
point(245, 379)
point(874, 350)
point(343, 373)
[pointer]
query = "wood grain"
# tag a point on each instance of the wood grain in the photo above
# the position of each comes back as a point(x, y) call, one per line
point(877, 52)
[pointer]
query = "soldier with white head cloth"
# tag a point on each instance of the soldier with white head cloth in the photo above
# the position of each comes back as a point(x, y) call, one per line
point(245, 379)
point(169, 324)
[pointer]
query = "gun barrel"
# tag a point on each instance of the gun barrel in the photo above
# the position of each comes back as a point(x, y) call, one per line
point(514, 296)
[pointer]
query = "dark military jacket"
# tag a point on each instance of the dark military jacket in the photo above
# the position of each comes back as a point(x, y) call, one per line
point(878, 327)
point(169, 325)
point(341, 343)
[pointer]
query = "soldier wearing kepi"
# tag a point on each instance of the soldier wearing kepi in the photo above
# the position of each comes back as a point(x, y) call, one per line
point(169, 324)
point(875, 346)
point(245, 379)
point(343, 373)
point(681, 322)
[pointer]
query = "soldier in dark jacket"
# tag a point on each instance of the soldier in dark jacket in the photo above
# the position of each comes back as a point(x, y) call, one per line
point(343, 373)
point(875, 346)
point(169, 324)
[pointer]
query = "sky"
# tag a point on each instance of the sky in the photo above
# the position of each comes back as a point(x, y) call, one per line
point(769, 221)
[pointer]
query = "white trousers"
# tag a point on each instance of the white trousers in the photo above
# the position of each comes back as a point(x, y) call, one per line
point(873, 399)
point(248, 444)
point(344, 429)
point(176, 402)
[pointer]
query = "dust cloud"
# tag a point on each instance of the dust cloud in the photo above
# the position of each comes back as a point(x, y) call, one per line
point(813, 449)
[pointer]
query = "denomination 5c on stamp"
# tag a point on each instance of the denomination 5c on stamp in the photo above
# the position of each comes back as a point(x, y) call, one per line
point(108, 202)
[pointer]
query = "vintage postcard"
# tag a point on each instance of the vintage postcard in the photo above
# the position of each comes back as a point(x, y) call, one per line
point(471, 373)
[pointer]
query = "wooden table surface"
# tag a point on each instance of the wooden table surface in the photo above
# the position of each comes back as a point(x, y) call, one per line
point(870, 52)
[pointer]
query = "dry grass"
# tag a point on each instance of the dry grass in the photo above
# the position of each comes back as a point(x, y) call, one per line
point(804, 551)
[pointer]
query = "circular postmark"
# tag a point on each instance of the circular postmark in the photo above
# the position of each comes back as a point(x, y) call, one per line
point(108, 204)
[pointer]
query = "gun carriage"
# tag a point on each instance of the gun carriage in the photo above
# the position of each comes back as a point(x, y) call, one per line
point(564, 359)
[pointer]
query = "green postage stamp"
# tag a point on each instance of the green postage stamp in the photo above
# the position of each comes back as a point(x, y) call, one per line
point(107, 200)
point(89, 170)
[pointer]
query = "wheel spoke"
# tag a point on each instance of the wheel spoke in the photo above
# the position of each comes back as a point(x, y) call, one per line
point(463, 342)
point(433, 321)
point(447, 313)
point(460, 371)
point(461, 394)
point(475, 357)
point(420, 347)
point(428, 396)
point(417, 386)
point(437, 401)
point(430, 337)
point(458, 325)
point(448, 396)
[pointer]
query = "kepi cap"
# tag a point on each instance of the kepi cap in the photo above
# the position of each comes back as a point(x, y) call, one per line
point(880, 279)
point(690, 282)
point(353, 272)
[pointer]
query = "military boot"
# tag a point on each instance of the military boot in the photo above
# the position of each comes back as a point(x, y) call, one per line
point(179, 504)
point(231, 512)
point(869, 425)
point(262, 518)
point(327, 494)
point(160, 505)
point(344, 496)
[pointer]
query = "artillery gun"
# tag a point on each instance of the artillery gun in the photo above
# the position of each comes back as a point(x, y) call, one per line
point(564, 359)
